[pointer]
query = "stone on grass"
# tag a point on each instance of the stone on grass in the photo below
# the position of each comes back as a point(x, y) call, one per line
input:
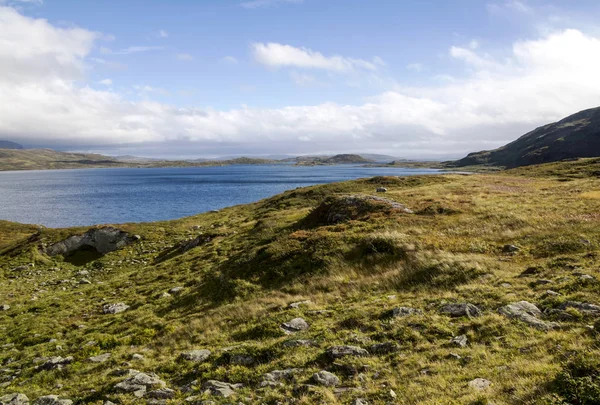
point(115, 308)
point(175, 290)
point(220, 389)
point(337, 352)
point(461, 309)
point(480, 384)
point(460, 341)
point(163, 393)
point(527, 313)
point(326, 378)
point(299, 342)
point(140, 383)
point(384, 348)
point(52, 400)
point(56, 363)
point(14, 399)
point(4, 307)
point(101, 358)
point(276, 377)
point(197, 356)
point(401, 312)
point(295, 325)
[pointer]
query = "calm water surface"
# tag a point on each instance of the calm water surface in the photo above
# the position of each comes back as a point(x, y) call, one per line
point(62, 198)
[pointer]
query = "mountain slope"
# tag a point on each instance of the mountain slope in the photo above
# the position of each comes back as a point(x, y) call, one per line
point(573, 137)
point(10, 145)
point(359, 269)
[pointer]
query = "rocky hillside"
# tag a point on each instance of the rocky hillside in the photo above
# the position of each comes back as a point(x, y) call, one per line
point(10, 145)
point(576, 136)
point(446, 289)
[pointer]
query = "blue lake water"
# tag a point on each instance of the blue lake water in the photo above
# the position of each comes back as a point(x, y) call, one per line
point(62, 198)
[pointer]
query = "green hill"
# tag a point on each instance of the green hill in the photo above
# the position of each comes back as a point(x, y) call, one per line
point(10, 145)
point(447, 289)
point(576, 136)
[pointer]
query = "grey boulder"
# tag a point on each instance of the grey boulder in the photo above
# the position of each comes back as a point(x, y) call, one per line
point(295, 325)
point(336, 352)
point(14, 399)
point(528, 314)
point(52, 400)
point(461, 309)
point(197, 356)
point(115, 308)
point(326, 379)
point(220, 389)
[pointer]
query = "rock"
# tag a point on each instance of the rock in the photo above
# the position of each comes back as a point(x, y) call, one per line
point(462, 309)
point(337, 352)
point(175, 290)
point(527, 313)
point(359, 401)
point(384, 348)
point(551, 293)
point(275, 377)
point(139, 383)
point(109, 403)
point(454, 356)
point(480, 384)
point(56, 363)
point(510, 249)
point(400, 312)
point(296, 305)
point(393, 394)
point(586, 277)
point(165, 295)
point(197, 356)
point(543, 282)
point(220, 389)
point(21, 268)
point(14, 399)
point(295, 325)
point(103, 240)
point(115, 308)
point(83, 273)
point(530, 271)
point(137, 357)
point(52, 400)
point(242, 360)
point(101, 358)
point(163, 393)
point(381, 190)
point(299, 342)
point(4, 307)
point(506, 285)
point(326, 379)
point(584, 307)
point(460, 341)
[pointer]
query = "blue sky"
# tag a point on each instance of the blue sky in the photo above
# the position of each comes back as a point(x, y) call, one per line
point(416, 79)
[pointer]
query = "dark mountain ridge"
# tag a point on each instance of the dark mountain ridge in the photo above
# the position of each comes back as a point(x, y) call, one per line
point(10, 145)
point(576, 136)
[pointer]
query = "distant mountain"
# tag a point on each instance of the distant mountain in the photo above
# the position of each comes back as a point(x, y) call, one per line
point(576, 136)
point(10, 145)
point(331, 160)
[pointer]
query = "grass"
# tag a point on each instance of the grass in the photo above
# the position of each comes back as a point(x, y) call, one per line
point(263, 256)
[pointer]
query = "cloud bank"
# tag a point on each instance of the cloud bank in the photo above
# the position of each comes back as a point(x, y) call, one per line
point(42, 68)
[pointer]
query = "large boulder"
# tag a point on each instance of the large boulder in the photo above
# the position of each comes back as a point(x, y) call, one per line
point(326, 379)
point(528, 313)
point(56, 363)
point(295, 325)
point(103, 240)
point(196, 356)
point(461, 309)
point(14, 399)
point(140, 383)
point(276, 377)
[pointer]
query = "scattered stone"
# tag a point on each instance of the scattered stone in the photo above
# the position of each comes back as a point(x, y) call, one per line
point(21, 268)
point(137, 357)
point(299, 342)
point(454, 356)
point(4, 307)
point(275, 377)
point(197, 356)
point(506, 285)
point(552, 293)
point(384, 348)
point(175, 290)
point(359, 401)
point(83, 273)
point(530, 271)
point(109, 403)
point(115, 308)
point(56, 363)
point(139, 383)
point(393, 394)
point(220, 389)
point(296, 305)
point(101, 358)
point(584, 307)
point(462, 309)
point(295, 325)
point(527, 313)
point(85, 281)
point(103, 240)
point(460, 341)
point(14, 399)
point(163, 393)
point(543, 282)
point(326, 378)
point(401, 312)
point(586, 277)
point(52, 400)
point(337, 352)
point(381, 190)
point(510, 249)
point(480, 384)
point(165, 295)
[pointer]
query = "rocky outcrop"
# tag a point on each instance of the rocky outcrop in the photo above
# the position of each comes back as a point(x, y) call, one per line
point(276, 377)
point(14, 399)
point(337, 352)
point(401, 312)
point(103, 240)
point(220, 389)
point(140, 383)
point(295, 325)
point(196, 356)
point(462, 309)
point(115, 308)
point(52, 400)
point(326, 379)
point(56, 363)
point(527, 313)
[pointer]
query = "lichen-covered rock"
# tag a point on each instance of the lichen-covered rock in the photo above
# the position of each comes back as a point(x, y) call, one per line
point(584, 307)
point(401, 312)
point(527, 313)
point(295, 325)
point(299, 343)
point(220, 389)
point(56, 363)
point(384, 348)
point(14, 399)
point(103, 240)
point(460, 309)
point(460, 341)
point(337, 352)
point(52, 400)
point(115, 308)
point(480, 384)
point(197, 356)
point(276, 377)
point(140, 383)
point(326, 379)
point(101, 358)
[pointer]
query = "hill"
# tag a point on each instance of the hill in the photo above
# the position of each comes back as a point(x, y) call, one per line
point(331, 160)
point(453, 289)
point(10, 145)
point(576, 136)
point(41, 159)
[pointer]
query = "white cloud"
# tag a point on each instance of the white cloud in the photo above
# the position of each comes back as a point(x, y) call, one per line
point(276, 55)
point(268, 3)
point(106, 82)
point(538, 81)
point(130, 50)
point(163, 34)
point(229, 60)
point(510, 6)
point(302, 79)
point(184, 56)
point(415, 67)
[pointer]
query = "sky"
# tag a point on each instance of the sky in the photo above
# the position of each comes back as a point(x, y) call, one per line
point(419, 79)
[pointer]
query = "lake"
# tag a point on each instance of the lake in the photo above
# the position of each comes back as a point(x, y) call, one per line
point(63, 198)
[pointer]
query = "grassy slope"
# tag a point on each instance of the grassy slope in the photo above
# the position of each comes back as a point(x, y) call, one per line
point(238, 286)
point(42, 159)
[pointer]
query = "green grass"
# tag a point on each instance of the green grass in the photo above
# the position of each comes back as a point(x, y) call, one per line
point(263, 256)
